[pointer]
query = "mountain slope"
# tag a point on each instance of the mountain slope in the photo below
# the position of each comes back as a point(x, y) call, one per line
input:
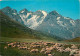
point(58, 25)
point(49, 23)
point(32, 19)
point(77, 39)
point(28, 18)
point(12, 13)
point(13, 29)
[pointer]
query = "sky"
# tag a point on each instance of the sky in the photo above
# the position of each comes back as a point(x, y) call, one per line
point(67, 8)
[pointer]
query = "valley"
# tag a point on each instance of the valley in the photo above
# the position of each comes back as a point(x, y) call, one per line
point(38, 34)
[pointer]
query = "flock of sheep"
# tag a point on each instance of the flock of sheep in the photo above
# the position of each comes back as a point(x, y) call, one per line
point(46, 47)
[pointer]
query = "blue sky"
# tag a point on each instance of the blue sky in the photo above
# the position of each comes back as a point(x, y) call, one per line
point(67, 8)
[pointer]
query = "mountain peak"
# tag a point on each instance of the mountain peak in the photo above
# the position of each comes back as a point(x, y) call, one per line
point(39, 10)
point(42, 12)
point(9, 10)
point(54, 13)
point(7, 7)
point(23, 11)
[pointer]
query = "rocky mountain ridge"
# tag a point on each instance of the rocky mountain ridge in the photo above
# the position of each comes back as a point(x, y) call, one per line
point(52, 23)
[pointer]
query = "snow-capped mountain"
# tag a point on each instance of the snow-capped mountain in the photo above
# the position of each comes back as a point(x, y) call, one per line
point(63, 27)
point(52, 23)
point(32, 19)
point(12, 13)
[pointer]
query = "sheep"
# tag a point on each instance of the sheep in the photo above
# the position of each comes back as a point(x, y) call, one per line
point(14, 46)
point(72, 53)
point(74, 47)
point(42, 50)
point(49, 49)
point(34, 51)
point(76, 54)
point(45, 44)
point(10, 45)
point(60, 50)
point(23, 48)
point(5, 47)
point(35, 46)
point(67, 49)
point(50, 55)
point(18, 45)
point(28, 48)
point(48, 52)
point(49, 43)
point(74, 50)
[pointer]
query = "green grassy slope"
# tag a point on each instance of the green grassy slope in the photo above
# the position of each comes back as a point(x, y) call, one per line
point(11, 28)
point(77, 39)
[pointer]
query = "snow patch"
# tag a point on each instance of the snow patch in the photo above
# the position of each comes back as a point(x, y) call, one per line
point(61, 23)
point(72, 22)
point(26, 16)
point(23, 19)
point(22, 11)
point(58, 18)
point(14, 13)
point(33, 21)
point(44, 13)
point(66, 18)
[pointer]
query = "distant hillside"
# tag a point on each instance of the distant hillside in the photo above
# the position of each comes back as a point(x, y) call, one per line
point(77, 39)
point(13, 29)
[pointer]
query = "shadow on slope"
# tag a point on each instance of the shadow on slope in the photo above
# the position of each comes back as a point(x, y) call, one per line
point(13, 29)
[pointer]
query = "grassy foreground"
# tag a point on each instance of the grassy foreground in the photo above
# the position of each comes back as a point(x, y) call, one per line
point(16, 52)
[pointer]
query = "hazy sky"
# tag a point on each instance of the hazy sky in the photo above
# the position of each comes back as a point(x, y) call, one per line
point(67, 8)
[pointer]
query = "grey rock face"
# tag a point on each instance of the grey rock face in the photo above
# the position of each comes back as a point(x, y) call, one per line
point(52, 23)
point(12, 13)
point(58, 25)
